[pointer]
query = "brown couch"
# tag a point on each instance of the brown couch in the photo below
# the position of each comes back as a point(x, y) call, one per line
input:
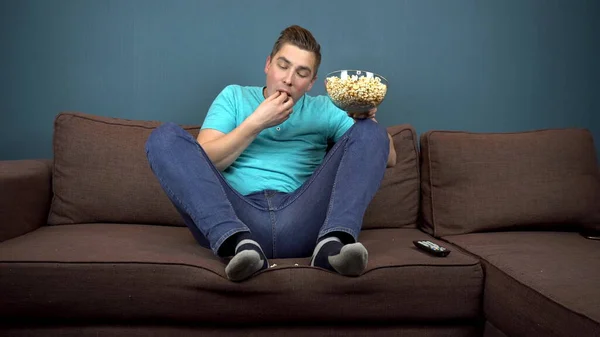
point(90, 245)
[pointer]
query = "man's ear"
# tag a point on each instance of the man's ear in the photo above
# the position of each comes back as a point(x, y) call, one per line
point(268, 64)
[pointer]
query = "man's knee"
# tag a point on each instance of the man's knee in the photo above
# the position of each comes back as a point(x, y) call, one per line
point(370, 132)
point(162, 137)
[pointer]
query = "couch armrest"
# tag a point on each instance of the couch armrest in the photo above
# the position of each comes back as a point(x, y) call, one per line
point(592, 227)
point(25, 196)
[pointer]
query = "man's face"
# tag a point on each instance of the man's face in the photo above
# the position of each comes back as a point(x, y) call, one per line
point(291, 70)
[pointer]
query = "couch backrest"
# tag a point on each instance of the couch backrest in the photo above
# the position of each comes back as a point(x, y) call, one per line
point(396, 203)
point(540, 179)
point(101, 174)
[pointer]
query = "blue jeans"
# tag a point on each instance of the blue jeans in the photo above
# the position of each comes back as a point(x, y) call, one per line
point(333, 199)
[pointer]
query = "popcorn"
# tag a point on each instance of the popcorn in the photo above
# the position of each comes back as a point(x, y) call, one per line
point(356, 93)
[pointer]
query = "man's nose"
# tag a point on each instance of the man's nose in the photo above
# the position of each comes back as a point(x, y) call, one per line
point(288, 78)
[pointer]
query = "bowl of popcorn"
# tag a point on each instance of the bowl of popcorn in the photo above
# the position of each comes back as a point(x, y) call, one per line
point(355, 90)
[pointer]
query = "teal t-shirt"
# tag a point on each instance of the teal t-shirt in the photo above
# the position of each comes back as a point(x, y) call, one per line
point(282, 157)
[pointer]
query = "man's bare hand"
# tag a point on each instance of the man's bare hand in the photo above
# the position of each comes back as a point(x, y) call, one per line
point(363, 114)
point(275, 110)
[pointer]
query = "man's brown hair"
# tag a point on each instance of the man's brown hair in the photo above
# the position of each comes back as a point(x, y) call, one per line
point(301, 38)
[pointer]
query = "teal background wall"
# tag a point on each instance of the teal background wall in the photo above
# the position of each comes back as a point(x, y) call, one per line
point(476, 65)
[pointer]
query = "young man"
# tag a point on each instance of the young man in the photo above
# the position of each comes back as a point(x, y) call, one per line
point(258, 182)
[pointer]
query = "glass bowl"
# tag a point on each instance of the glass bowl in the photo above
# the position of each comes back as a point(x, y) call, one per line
point(355, 90)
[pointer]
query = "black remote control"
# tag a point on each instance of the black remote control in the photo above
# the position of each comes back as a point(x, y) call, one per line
point(432, 248)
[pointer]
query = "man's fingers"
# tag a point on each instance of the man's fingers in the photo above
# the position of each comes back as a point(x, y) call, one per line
point(288, 103)
point(363, 115)
point(282, 95)
point(273, 96)
point(359, 115)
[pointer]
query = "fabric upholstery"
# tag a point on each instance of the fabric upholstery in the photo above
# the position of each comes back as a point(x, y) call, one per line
point(539, 283)
point(26, 190)
point(101, 174)
point(134, 273)
point(474, 182)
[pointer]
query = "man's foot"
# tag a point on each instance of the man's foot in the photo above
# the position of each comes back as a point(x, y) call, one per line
point(347, 260)
point(248, 260)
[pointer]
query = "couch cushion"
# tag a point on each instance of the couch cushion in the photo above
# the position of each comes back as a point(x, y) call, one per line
point(101, 174)
point(591, 225)
point(159, 273)
point(539, 283)
point(396, 203)
point(475, 182)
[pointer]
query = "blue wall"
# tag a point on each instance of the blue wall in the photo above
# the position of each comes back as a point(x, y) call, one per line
point(503, 65)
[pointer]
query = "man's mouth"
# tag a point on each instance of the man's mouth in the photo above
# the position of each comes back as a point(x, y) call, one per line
point(285, 91)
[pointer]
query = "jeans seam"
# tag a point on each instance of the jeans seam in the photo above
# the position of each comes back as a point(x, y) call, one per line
point(272, 221)
point(273, 231)
point(330, 206)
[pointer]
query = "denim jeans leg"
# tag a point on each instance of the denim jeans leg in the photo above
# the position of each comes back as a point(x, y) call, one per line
point(209, 206)
point(335, 197)
point(358, 178)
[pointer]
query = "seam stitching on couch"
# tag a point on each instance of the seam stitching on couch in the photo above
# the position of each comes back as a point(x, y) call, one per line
point(430, 182)
point(77, 115)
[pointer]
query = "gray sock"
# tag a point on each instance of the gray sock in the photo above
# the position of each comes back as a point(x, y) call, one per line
point(351, 261)
point(249, 259)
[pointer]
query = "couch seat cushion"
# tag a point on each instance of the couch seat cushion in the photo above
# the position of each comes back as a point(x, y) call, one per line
point(539, 283)
point(113, 272)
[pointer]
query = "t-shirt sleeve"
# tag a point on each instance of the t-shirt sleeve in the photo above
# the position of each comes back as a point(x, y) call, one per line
point(222, 113)
point(339, 123)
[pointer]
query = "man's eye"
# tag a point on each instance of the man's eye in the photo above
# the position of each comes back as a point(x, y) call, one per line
point(282, 66)
point(303, 75)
